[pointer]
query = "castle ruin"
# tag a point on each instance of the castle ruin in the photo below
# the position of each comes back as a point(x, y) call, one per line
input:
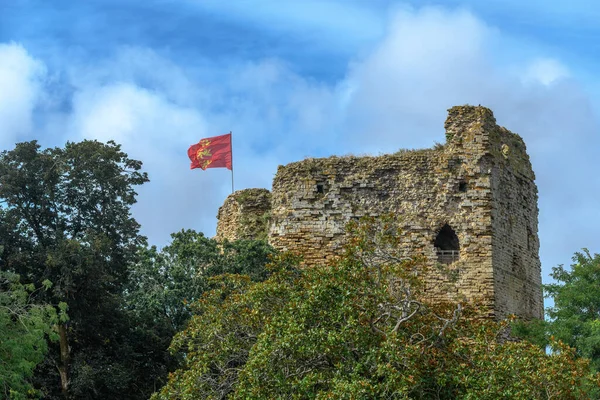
point(470, 204)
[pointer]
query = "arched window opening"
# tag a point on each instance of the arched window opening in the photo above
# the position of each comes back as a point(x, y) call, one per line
point(446, 245)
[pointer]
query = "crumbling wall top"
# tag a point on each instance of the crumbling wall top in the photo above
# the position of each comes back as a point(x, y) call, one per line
point(466, 118)
point(474, 130)
point(244, 215)
point(360, 165)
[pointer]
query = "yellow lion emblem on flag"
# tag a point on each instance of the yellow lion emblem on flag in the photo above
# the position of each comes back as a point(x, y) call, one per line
point(204, 151)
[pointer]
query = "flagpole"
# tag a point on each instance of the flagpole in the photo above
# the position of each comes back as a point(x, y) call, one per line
point(231, 144)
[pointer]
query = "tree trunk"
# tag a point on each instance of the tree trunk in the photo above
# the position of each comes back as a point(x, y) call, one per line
point(65, 360)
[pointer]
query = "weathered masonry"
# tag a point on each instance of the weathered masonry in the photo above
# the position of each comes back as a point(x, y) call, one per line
point(470, 204)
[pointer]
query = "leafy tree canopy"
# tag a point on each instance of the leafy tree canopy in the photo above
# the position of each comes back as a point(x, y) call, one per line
point(575, 316)
point(65, 217)
point(358, 328)
point(164, 283)
point(24, 329)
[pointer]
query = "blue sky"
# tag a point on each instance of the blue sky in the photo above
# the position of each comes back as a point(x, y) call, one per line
point(306, 78)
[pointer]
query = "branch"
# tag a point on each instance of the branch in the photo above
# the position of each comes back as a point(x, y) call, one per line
point(406, 318)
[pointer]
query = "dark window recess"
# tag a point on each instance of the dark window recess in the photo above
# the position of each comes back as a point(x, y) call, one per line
point(446, 245)
point(320, 189)
point(462, 186)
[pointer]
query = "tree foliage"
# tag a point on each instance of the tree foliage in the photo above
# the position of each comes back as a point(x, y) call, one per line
point(164, 283)
point(575, 317)
point(65, 217)
point(25, 328)
point(357, 328)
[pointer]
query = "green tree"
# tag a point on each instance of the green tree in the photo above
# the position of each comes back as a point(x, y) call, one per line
point(357, 328)
point(575, 317)
point(164, 283)
point(218, 338)
point(24, 330)
point(65, 217)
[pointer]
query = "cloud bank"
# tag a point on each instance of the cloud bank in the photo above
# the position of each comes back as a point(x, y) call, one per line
point(21, 81)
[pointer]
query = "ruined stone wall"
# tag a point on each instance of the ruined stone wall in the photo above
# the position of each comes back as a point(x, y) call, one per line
point(480, 183)
point(244, 215)
point(314, 199)
point(517, 268)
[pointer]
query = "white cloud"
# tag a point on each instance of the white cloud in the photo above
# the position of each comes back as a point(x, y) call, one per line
point(21, 79)
point(288, 107)
point(142, 67)
point(158, 132)
point(133, 115)
point(545, 71)
point(430, 60)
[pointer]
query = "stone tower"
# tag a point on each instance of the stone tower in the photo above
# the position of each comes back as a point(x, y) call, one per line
point(470, 204)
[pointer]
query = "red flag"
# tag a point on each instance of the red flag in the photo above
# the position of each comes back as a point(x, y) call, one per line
point(212, 152)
